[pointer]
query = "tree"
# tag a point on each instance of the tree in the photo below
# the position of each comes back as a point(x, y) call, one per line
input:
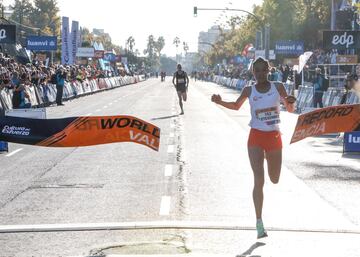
point(150, 48)
point(22, 10)
point(45, 16)
point(150, 51)
point(130, 42)
point(288, 20)
point(159, 45)
point(87, 37)
point(105, 39)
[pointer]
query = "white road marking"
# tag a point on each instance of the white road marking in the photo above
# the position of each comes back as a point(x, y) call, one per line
point(165, 205)
point(172, 134)
point(110, 103)
point(14, 152)
point(168, 170)
point(89, 114)
point(105, 107)
point(171, 148)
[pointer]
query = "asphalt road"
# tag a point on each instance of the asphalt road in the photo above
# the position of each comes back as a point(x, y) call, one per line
point(200, 174)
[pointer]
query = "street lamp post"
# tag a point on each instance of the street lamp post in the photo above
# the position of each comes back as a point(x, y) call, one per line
point(176, 42)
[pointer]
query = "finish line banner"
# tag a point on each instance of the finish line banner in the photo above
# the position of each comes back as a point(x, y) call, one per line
point(79, 131)
point(334, 119)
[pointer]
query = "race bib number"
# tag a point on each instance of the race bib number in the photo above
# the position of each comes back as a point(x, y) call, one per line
point(181, 80)
point(270, 115)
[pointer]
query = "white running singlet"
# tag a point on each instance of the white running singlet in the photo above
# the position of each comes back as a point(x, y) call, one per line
point(265, 109)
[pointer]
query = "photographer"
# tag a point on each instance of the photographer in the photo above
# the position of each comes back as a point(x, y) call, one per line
point(350, 80)
point(60, 82)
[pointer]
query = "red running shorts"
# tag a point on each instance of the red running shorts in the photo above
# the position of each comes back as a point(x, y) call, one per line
point(267, 140)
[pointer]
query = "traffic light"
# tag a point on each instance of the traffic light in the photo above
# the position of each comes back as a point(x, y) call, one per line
point(195, 11)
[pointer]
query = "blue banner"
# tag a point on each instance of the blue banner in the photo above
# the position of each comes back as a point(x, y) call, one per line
point(41, 43)
point(289, 47)
point(352, 141)
point(110, 57)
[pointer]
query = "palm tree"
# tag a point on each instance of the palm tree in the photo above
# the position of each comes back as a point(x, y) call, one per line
point(130, 43)
point(159, 45)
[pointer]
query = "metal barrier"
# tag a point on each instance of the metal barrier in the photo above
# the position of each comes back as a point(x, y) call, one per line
point(45, 94)
point(305, 93)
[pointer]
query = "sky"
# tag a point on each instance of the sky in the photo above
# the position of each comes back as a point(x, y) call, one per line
point(141, 18)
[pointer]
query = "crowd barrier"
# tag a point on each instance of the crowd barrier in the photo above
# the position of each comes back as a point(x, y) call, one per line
point(304, 94)
point(42, 95)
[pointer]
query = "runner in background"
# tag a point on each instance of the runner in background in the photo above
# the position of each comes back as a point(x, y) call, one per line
point(181, 83)
point(265, 138)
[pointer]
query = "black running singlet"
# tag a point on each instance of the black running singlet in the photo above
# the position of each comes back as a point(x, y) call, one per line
point(180, 80)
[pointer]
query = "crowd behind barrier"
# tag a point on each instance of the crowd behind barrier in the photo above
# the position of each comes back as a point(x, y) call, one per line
point(304, 94)
point(44, 95)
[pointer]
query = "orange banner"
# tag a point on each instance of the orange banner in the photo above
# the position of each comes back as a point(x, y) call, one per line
point(79, 131)
point(334, 119)
point(85, 131)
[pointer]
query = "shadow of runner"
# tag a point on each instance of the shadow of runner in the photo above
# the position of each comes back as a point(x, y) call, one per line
point(249, 251)
point(165, 117)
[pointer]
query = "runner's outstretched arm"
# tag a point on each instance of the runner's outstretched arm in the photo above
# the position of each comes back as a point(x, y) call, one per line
point(233, 105)
point(287, 100)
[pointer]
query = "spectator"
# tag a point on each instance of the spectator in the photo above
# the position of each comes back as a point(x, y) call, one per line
point(318, 84)
point(286, 73)
point(349, 84)
point(60, 82)
point(274, 74)
point(20, 98)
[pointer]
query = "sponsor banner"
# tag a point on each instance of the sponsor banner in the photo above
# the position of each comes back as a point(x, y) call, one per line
point(341, 39)
point(41, 43)
point(110, 57)
point(239, 59)
point(99, 54)
point(74, 37)
point(352, 141)
point(85, 52)
point(334, 119)
point(346, 59)
point(79, 131)
point(289, 47)
point(7, 34)
point(65, 41)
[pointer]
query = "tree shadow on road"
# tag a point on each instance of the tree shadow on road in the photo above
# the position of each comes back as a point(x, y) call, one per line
point(165, 117)
point(249, 251)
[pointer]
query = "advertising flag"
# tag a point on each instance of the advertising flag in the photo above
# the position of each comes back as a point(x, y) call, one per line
point(65, 41)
